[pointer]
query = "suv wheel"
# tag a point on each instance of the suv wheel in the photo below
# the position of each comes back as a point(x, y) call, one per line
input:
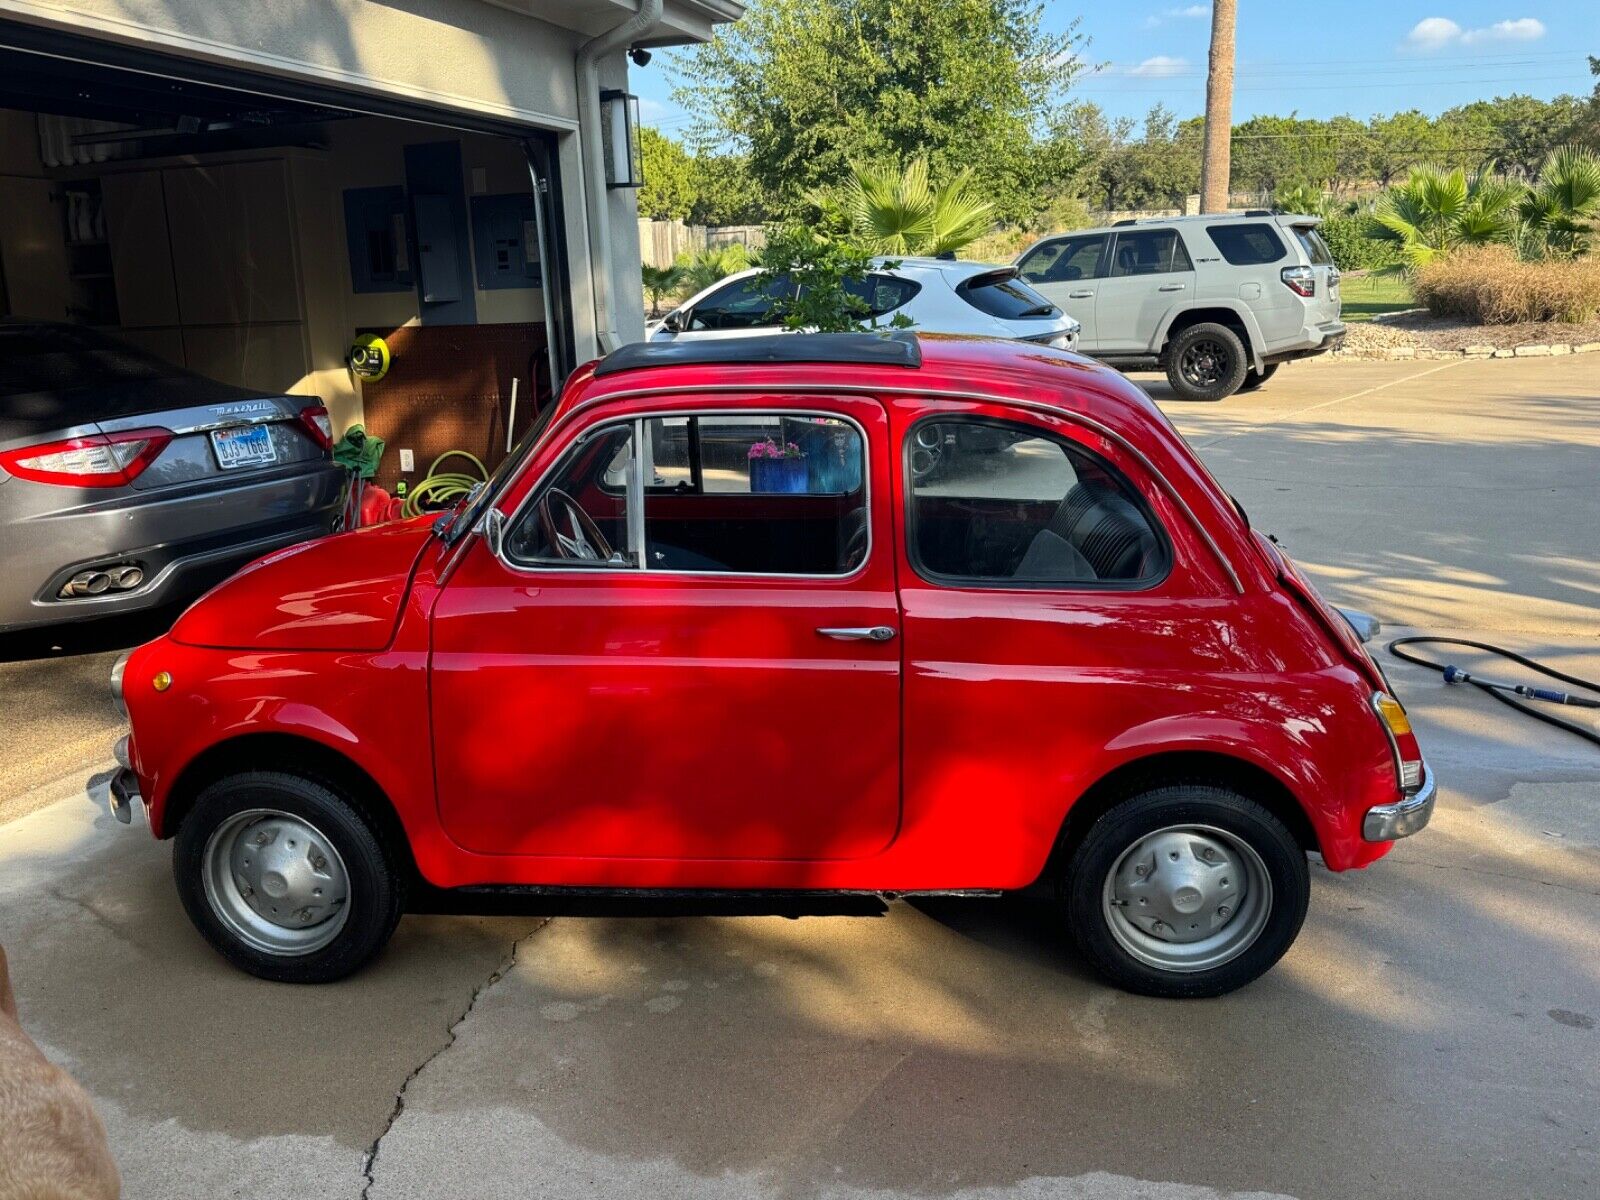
point(1206, 362)
point(1186, 891)
point(1254, 379)
point(286, 878)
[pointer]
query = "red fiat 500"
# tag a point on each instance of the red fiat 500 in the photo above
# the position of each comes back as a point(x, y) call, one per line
point(794, 616)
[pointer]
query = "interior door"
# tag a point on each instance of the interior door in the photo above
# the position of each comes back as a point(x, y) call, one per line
point(1149, 272)
point(1067, 272)
point(625, 705)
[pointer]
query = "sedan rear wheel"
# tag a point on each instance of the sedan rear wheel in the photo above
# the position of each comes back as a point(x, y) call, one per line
point(1186, 890)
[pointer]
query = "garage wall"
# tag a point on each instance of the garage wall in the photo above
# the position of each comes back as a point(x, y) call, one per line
point(465, 55)
point(31, 246)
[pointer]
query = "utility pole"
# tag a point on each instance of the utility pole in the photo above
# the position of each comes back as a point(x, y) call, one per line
point(1216, 157)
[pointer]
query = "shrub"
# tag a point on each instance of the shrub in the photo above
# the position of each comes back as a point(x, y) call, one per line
point(1352, 245)
point(1488, 285)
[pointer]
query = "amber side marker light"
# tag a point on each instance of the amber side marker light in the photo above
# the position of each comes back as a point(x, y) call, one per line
point(161, 681)
point(1407, 754)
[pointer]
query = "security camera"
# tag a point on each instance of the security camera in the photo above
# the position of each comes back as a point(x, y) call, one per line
point(641, 58)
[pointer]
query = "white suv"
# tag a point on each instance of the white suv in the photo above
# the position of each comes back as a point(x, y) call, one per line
point(1218, 301)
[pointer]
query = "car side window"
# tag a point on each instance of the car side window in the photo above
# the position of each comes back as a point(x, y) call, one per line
point(755, 493)
point(1149, 252)
point(882, 293)
point(579, 516)
point(743, 304)
point(1247, 243)
point(1065, 260)
point(999, 504)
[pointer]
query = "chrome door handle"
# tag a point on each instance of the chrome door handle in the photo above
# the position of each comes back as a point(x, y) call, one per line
point(1172, 287)
point(1079, 295)
point(858, 633)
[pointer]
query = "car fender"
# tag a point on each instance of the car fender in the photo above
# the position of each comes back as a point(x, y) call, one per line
point(1237, 307)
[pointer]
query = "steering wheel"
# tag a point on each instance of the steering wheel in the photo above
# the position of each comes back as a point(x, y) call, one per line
point(586, 542)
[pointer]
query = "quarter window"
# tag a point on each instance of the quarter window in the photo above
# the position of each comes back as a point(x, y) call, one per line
point(1000, 504)
point(1149, 252)
point(1247, 244)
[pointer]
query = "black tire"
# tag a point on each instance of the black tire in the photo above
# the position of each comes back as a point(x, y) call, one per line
point(376, 883)
point(1254, 379)
point(1124, 826)
point(1206, 362)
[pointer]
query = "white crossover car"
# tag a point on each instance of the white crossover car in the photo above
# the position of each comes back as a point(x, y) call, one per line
point(938, 295)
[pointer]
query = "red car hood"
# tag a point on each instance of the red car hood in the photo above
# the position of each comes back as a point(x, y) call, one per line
point(336, 593)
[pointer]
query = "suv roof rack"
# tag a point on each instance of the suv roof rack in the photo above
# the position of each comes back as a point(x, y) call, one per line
point(899, 349)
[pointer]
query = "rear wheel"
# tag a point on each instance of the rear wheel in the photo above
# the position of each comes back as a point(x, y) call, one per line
point(1254, 378)
point(1186, 891)
point(286, 878)
point(1206, 362)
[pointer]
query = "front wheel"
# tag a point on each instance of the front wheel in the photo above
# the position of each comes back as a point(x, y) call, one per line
point(1206, 362)
point(286, 878)
point(1186, 891)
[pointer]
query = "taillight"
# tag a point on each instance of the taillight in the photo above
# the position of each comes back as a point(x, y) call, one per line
point(1407, 754)
point(1301, 280)
point(318, 424)
point(99, 460)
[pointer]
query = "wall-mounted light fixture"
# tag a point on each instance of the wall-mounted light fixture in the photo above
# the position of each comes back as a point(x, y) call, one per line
point(619, 139)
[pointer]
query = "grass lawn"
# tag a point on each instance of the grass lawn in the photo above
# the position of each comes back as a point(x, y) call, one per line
point(1367, 296)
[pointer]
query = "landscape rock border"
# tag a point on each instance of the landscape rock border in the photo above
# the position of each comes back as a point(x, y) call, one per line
point(1535, 350)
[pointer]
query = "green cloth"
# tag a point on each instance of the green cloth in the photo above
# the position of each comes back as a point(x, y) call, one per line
point(359, 451)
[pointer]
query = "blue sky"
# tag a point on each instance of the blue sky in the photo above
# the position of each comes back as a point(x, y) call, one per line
point(1321, 59)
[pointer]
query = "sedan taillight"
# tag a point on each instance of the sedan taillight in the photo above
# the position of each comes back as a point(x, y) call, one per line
point(1301, 280)
point(99, 460)
point(317, 422)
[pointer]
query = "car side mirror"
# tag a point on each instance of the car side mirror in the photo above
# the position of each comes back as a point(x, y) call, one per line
point(492, 528)
point(675, 321)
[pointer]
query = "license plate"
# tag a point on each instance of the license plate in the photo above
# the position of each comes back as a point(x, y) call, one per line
point(247, 446)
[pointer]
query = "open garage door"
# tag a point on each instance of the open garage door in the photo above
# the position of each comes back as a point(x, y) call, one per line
point(254, 231)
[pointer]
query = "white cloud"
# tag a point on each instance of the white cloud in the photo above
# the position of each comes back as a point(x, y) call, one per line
point(1159, 67)
point(1523, 29)
point(1435, 33)
point(1192, 12)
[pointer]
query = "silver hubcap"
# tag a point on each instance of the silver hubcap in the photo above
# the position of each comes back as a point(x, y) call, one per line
point(276, 881)
point(1187, 898)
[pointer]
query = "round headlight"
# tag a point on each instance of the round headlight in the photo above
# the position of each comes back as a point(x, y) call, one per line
point(117, 668)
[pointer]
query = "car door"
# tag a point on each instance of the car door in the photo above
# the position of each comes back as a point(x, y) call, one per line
point(737, 309)
point(1149, 273)
point(1068, 271)
point(683, 652)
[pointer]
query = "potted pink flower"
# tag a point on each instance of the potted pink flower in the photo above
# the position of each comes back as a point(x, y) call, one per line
point(777, 467)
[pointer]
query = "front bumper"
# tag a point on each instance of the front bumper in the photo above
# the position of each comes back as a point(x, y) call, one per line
point(1390, 822)
point(119, 792)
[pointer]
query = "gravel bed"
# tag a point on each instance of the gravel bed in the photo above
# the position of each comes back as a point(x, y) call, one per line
point(1416, 333)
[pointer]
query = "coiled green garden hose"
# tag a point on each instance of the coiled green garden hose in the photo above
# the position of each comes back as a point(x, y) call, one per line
point(439, 488)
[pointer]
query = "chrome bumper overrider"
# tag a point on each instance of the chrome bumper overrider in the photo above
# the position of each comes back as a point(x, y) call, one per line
point(119, 792)
point(1388, 822)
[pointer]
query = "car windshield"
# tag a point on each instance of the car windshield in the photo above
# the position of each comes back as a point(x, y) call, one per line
point(61, 358)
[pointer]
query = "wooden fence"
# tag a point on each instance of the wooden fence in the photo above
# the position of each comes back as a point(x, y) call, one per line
point(661, 242)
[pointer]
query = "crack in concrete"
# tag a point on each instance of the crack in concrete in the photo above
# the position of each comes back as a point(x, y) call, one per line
point(369, 1162)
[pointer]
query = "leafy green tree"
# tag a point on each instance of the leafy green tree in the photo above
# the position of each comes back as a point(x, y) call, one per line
point(808, 87)
point(660, 283)
point(668, 191)
point(1559, 213)
point(1517, 133)
point(829, 277)
point(893, 211)
point(1435, 211)
point(726, 192)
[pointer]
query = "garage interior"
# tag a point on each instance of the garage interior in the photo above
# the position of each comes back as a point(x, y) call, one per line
point(251, 237)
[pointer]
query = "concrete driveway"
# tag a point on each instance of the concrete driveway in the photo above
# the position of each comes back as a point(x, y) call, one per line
point(1433, 1033)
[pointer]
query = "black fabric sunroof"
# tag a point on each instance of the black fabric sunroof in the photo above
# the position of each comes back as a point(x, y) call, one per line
point(864, 349)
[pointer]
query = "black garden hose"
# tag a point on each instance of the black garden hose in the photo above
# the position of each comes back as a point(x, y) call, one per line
point(1504, 692)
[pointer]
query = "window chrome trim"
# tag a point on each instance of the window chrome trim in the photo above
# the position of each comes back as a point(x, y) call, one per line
point(1059, 414)
point(637, 420)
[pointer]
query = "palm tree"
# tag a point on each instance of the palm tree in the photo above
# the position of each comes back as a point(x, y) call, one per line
point(1216, 157)
point(660, 282)
point(1558, 214)
point(901, 212)
point(1435, 211)
point(700, 270)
